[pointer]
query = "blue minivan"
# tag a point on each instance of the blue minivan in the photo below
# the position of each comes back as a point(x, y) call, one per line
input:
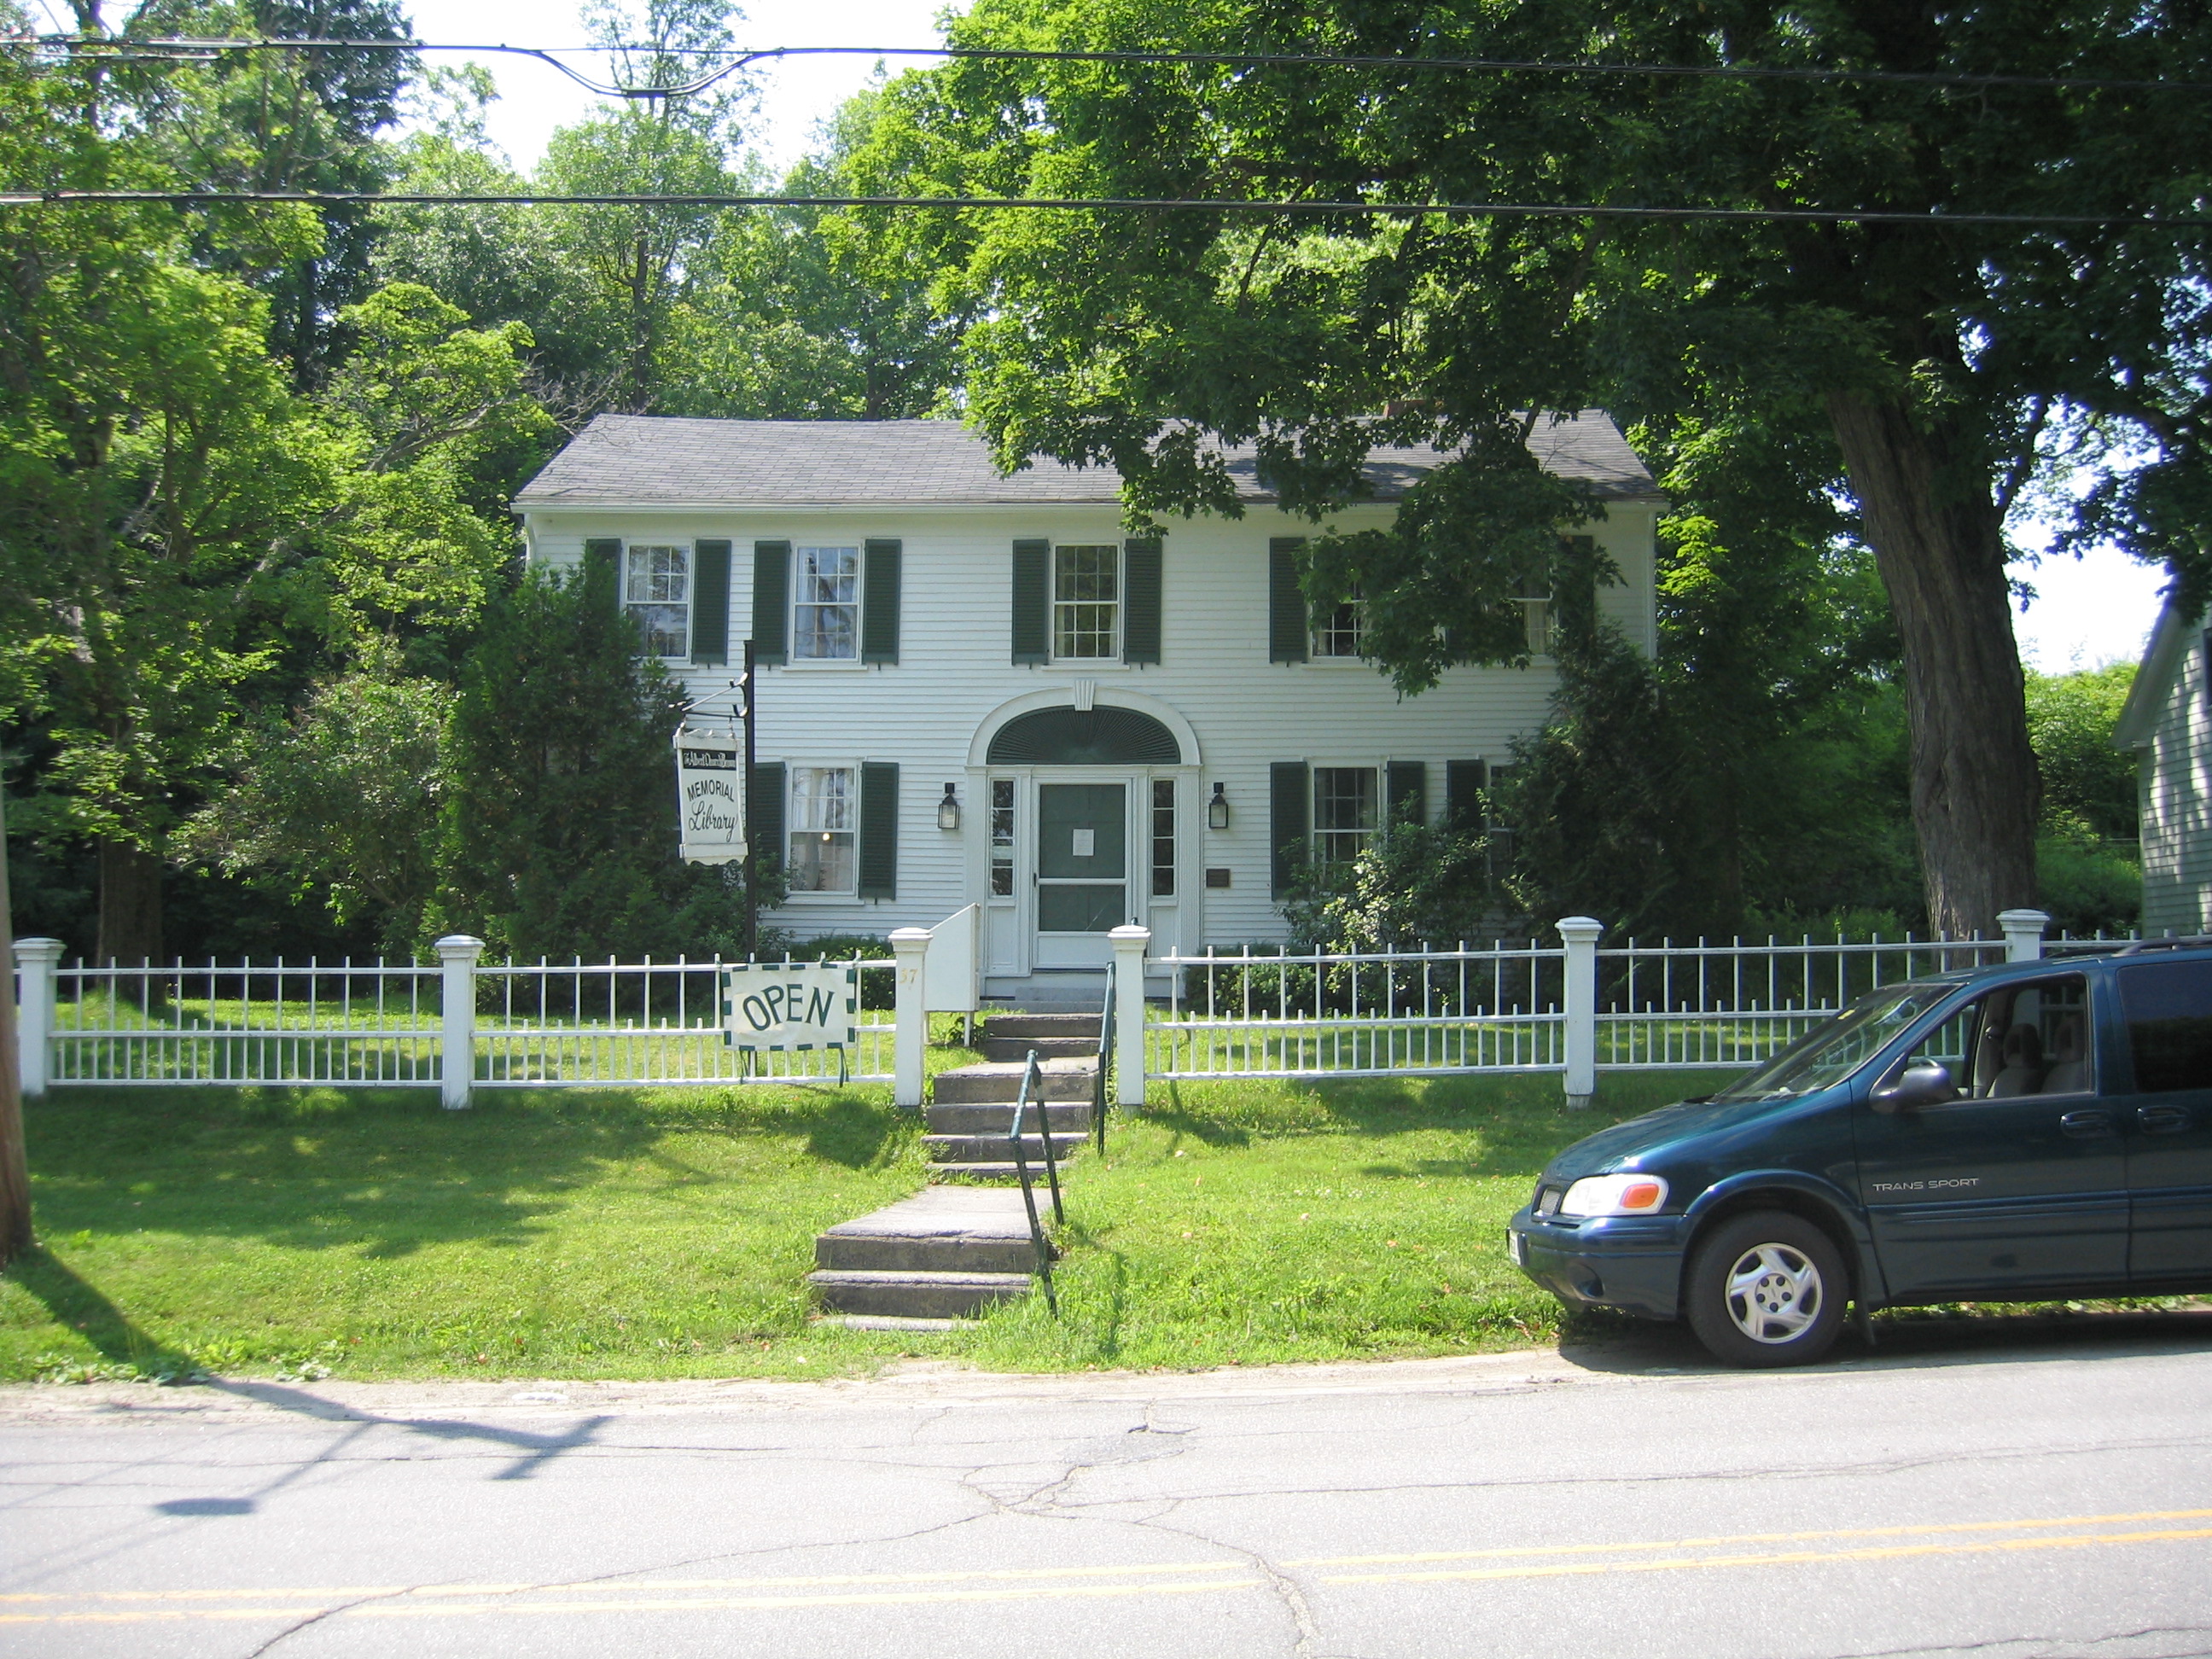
point(2041, 1130)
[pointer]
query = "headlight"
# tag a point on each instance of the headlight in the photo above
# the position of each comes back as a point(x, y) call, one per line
point(1614, 1194)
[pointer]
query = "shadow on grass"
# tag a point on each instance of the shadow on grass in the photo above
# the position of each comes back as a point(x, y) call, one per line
point(74, 1301)
point(387, 1173)
point(1515, 1123)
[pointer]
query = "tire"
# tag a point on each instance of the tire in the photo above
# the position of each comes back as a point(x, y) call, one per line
point(1766, 1289)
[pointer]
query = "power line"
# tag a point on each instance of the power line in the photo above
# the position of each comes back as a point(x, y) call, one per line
point(165, 47)
point(1122, 203)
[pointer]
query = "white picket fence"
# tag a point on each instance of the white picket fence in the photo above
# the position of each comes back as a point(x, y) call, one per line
point(460, 1024)
point(464, 1023)
point(1571, 1008)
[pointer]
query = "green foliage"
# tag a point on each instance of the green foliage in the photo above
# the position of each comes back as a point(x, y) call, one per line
point(561, 815)
point(343, 799)
point(2089, 785)
point(1413, 883)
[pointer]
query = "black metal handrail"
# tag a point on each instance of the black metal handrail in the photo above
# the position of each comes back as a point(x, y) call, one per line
point(1038, 1243)
point(1105, 1059)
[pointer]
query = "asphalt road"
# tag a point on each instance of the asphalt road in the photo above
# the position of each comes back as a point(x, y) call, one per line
point(2008, 1491)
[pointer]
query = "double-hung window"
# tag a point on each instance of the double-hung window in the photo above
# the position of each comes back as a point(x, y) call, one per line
point(657, 594)
point(1086, 608)
point(1346, 804)
point(1339, 631)
point(820, 829)
point(825, 608)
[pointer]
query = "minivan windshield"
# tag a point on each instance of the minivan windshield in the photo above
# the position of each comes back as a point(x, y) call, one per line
point(1829, 1052)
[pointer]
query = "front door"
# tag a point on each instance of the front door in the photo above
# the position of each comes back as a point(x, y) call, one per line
point(2167, 1010)
point(2019, 1185)
point(1082, 870)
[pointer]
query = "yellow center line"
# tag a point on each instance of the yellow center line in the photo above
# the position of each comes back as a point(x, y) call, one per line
point(1747, 1538)
point(400, 1609)
point(1035, 1583)
point(1790, 1558)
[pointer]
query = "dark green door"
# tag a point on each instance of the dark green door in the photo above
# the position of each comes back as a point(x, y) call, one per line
point(1082, 866)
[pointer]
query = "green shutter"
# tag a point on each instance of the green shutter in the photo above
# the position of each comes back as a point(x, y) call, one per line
point(710, 602)
point(1290, 806)
point(1408, 784)
point(1140, 602)
point(771, 601)
point(879, 600)
point(1464, 782)
point(878, 860)
point(764, 815)
point(1288, 630)
point(1032, 590)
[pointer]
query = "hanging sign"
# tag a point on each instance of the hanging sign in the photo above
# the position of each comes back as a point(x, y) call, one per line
point(799, 1005)
point(710, 794)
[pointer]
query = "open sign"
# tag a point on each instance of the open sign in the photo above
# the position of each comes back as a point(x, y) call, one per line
point(796, 1005)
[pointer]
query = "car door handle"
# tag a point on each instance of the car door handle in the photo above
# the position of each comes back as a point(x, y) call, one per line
point(2163, 1120)
point(2086, 1126)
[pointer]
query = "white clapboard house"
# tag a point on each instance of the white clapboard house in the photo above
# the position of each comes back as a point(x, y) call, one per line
point(977, 689)
point(2168, 722)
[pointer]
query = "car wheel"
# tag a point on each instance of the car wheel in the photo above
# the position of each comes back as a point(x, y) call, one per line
point(1766, 1289)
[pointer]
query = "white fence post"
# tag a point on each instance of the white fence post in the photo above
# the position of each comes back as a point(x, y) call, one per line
point(2023, 934)
point(1129, 943)
point(910, 1007)
point(457, 1065)
point(1580, 934)
point(35, 960)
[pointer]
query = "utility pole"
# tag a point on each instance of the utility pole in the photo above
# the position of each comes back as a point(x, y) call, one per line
point(15, 1169)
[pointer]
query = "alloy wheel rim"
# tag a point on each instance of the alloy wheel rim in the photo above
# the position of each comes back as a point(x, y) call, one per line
point(1773, 1293)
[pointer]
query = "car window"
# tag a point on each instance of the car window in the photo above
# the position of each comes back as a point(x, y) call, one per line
point(2167, 1007)
point(1831, 1051)
point(2023, 1038)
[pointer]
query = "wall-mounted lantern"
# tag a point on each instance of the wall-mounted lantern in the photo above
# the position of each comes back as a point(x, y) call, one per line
point(1216, 810)
point(948, 810)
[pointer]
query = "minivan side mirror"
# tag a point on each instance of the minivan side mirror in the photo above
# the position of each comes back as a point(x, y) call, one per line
point(1924, 1082)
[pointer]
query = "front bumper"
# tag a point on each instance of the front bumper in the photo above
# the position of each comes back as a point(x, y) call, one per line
point(1630, 1263)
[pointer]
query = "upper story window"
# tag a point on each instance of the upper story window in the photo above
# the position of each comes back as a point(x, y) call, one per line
point(657, 593)
point(1346, 803)
point(1086, 608)
point(823, 822)
point(825, 607)
point(1340, 630)
point(1535, 601)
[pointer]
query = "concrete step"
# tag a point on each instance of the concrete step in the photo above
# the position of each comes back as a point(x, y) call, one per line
point(1046, 1048)
point(1044, 1025)
point(1004, 1171)
point(985, 1085)
point(996, 1118)
point(940, 1230)
point(916, 1295)
point(998, 1149)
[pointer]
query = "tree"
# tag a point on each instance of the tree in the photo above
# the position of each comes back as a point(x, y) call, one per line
point(1929, 371)
point(560, 828)
point(2089, 787)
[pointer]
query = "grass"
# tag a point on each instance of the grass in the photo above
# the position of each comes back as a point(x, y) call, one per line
point(571, 1233)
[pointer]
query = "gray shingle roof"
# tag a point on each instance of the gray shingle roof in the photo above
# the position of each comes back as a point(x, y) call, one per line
point(651, 460)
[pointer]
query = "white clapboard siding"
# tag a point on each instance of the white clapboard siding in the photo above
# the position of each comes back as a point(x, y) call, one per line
point(954, 671)
point(2174, 725)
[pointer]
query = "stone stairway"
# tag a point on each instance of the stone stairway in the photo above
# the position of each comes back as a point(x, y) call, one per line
point(951, 1251)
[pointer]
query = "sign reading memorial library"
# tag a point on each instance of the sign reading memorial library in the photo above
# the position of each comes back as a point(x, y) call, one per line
point(710, 795)
point(799, 1005)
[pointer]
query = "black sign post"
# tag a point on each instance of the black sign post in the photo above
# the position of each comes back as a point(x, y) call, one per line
point(751, 684)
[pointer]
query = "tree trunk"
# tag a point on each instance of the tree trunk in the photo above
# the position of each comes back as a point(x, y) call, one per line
point(130, 905)
point(14, 1170)
point(1939, 545)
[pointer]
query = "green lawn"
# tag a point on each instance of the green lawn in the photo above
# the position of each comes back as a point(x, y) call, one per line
point(667, 1232)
